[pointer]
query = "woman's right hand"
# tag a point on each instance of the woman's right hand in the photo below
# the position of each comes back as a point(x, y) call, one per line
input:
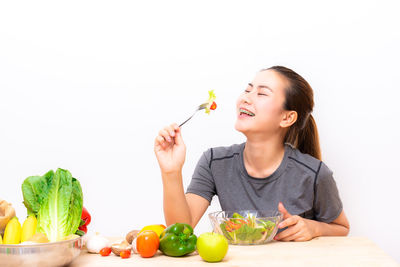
point(170, 149)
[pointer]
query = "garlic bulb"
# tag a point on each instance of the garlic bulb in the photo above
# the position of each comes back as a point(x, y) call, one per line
point(96, 242)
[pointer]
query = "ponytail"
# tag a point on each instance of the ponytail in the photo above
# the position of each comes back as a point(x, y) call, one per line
point(306, 138)
point(299, 96)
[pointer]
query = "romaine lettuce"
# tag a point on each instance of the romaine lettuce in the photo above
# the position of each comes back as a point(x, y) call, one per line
point(57, 200)
point(35, 190)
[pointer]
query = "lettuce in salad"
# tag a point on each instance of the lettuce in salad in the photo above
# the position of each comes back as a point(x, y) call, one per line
point(247, 230)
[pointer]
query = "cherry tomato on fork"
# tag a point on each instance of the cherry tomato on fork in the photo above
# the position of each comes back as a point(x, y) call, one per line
point(213, 106)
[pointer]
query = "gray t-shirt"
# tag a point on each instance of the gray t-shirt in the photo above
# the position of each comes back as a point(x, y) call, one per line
point(304, 184)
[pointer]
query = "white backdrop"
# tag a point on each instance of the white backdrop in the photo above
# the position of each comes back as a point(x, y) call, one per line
point(87, 85)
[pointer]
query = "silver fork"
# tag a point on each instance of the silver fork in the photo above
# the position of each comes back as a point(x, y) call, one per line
point(202, 106)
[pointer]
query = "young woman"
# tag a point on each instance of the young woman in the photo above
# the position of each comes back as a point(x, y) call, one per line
point(278, 167)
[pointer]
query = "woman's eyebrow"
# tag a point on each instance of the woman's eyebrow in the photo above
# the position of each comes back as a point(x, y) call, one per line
point(262, 86)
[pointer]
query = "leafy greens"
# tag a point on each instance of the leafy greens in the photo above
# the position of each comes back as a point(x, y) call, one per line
point(57, 201)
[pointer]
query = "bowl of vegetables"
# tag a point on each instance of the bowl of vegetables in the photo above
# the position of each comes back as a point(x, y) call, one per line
point(51, 235)
point(246, 227)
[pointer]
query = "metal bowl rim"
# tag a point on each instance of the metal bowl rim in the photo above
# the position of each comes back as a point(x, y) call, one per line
point(40, 244)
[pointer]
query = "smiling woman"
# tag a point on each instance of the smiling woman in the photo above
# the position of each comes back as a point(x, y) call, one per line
point(279, 166)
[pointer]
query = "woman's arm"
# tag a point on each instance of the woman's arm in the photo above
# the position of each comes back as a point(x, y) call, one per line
point(179, 207)
point(197, 206)
point(176, 208)
point(339, 227)
point(170, 151)
point(300, 229)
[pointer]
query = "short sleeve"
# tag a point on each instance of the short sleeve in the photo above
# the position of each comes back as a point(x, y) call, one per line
point(202, 182)
point(327, 203)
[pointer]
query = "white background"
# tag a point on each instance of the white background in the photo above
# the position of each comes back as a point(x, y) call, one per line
point(87, 85)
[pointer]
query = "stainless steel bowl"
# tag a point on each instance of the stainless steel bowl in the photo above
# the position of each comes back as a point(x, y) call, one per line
point(41, 255)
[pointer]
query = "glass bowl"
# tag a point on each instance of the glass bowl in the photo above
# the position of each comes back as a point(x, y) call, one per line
point(41, 255)
point(246, 227)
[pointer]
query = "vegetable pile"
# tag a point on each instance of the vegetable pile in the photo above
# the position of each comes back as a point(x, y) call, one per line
point(175, 241)
point(240, 230)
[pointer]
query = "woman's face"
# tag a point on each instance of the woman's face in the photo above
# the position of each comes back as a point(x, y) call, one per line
point(260, 107)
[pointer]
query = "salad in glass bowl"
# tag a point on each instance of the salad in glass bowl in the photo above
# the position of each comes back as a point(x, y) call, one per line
point(246, 227)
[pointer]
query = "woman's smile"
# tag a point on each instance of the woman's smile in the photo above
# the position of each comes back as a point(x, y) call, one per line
point(245, 113)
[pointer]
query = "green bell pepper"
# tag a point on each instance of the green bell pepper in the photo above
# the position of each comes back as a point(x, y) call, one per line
point(178, 240)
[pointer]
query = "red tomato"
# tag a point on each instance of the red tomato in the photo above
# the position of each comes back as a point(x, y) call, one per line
point(105, 251)
point(213, 106)
point(125, 254)
point(147, 243)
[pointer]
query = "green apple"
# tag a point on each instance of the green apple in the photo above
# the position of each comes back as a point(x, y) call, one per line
point(212, 247)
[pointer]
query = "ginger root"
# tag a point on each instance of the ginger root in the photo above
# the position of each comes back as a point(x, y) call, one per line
point(7, 212)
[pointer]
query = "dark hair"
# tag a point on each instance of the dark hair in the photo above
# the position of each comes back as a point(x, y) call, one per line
point(303, 134)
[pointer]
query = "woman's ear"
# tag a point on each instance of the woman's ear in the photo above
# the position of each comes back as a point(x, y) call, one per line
point(289, 118)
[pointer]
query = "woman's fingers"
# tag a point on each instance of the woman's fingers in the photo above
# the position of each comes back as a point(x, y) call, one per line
point(297, 230)
point(289, 222)
point(178, 137)
point(283, 210)
point(293, 237)
point(160, 142)
point(287, 233)
point(170, 129)
point(165, 134)
point(169, 132)
point(301, 239)
point(175, 132)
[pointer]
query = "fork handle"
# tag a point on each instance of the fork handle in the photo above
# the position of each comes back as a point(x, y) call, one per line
point(187, 120)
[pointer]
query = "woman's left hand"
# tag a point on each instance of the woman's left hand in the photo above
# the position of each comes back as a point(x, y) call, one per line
point(298, 228)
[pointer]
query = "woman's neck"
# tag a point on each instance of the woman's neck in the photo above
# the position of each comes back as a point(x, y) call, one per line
point(262, 158)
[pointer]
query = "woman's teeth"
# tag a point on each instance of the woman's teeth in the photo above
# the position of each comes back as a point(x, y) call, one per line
point(243, 111)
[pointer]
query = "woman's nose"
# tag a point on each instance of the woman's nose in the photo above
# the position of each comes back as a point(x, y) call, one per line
point(247, 98)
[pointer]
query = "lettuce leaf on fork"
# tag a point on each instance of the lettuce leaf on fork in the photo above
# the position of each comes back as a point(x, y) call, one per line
point(211, 99)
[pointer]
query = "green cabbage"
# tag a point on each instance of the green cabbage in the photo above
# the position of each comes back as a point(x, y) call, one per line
point(57, 201)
